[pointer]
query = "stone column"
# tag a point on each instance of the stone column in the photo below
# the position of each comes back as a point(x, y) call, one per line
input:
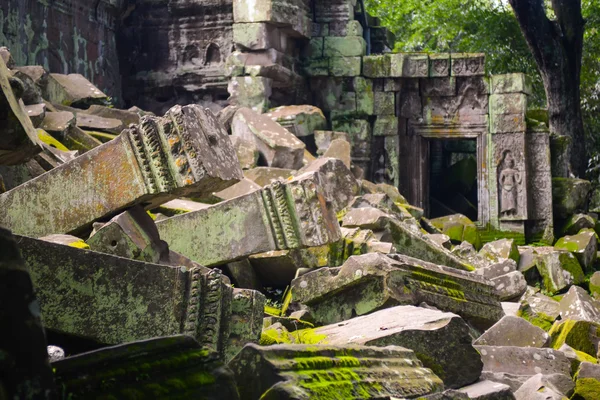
point(284, 215)
point(508, 105)
point(184, 153)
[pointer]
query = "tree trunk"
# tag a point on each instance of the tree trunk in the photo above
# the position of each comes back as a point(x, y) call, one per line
point(557, 48)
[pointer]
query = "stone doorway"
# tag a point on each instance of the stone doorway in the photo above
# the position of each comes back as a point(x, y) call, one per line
point(453, 186)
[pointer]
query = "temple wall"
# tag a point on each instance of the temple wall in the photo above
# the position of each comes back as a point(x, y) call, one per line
point(65, 36)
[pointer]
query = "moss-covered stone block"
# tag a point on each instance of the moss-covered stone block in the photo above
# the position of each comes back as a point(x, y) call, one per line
point(583, 246)
point(348, 46)
point(559, 270)
point(569, 195)
point(345, 66)
point(459, 228)
point(580, 335)
point(499, 250)
point(385, 103)
point(364, 95)
point(385, 125)
point(376, 66)
point(511, 83)
point(587, 389)
point(306, 372)
point(373, 281)
point(316, 67)
point(595, 285)
point(577, 222)
point(169, 367)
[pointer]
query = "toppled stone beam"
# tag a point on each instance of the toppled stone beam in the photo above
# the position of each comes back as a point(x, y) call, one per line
point(168, 367)
point(114, 300)
point(184, 153)
point(18, 138)
point(374, 281)
point(304, 372)
point(281, 216)
point(25, 371)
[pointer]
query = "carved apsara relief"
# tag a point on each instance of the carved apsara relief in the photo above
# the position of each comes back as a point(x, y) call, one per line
point(511, 175)
point(509, 184)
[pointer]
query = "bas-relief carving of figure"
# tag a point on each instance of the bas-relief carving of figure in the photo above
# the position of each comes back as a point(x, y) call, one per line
point(509, 182)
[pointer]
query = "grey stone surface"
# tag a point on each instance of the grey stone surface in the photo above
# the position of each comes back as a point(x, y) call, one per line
point(545, 387)
point(339, 184)
point(513, 331)
point(488, 390)
point(578, 304)
point(339, 149)
point(523, 360)
point(500, 250)
point(264, 176)
point(510, 286)
point(497, 269)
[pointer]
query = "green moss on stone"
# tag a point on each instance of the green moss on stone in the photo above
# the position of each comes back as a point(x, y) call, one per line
point(540, 320)
point(576, 334)
point(586, 389)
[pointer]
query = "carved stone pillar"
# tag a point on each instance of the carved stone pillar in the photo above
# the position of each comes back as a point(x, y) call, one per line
point(284, 215)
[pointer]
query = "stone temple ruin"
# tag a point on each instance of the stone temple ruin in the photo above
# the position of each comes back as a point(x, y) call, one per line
point(260, 200)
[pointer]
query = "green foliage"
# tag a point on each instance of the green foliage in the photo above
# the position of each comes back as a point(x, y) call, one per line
point(590, 73)
point(489, 26)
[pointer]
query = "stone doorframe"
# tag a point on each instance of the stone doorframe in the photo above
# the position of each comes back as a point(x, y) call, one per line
point(422, 133)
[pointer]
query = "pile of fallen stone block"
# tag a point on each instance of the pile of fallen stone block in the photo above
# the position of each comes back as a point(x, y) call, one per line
point(194, 255)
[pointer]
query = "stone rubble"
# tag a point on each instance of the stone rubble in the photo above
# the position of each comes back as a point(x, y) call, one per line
point(276, 243)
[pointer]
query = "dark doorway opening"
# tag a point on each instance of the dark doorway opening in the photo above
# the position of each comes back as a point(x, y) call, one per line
point(453, 186)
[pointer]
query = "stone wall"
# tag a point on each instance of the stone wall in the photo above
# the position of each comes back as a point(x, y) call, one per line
point(173, 52)
point(65, 36)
